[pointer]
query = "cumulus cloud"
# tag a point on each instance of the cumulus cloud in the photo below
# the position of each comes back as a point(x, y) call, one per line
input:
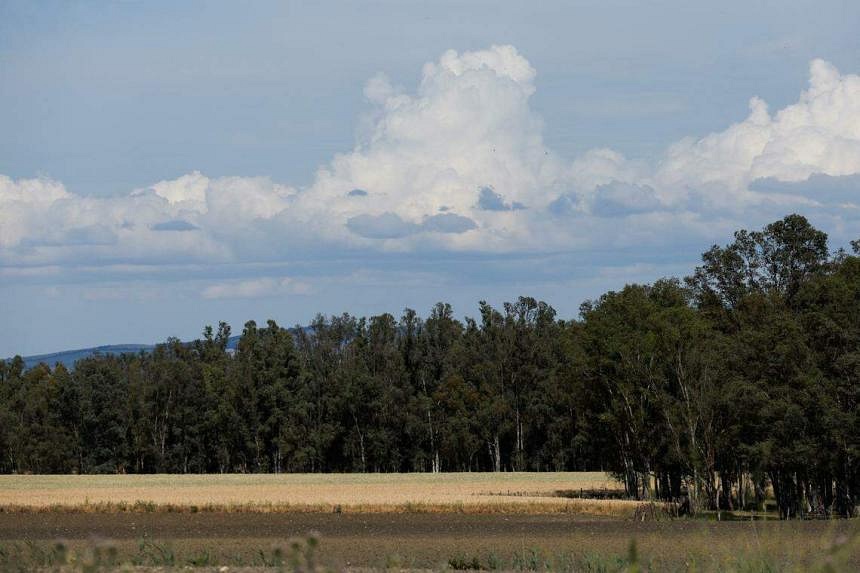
point(390, 226)
point(489, 200)
point(20, 203)
point(174, 225)
point(448, 223)
point(255, 288)
point(835, 196)
point(43, 223)
point(383, 226)
point(188, 189)
point(459, 164)
point(820, 134)
point(819, 187)
point(618, 199)
point(467, 125)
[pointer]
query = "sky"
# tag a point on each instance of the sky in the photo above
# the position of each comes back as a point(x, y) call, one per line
point(165, 165)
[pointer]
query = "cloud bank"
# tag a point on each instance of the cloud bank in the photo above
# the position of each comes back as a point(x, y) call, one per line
point(255, 288)
point(458, 164)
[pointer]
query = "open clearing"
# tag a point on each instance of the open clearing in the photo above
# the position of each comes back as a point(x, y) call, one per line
point(463, 492)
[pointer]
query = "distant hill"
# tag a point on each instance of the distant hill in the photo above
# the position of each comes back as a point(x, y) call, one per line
point(68, 357)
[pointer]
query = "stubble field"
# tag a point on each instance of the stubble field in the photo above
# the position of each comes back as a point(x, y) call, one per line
point(294, 493)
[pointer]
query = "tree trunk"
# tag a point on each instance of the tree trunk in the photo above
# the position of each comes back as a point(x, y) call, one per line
point(433, 452)
point(495, 453)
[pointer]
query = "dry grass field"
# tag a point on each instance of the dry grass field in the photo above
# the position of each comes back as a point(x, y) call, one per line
point(348, 493)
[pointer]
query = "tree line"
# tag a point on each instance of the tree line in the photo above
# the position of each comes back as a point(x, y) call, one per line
point(740, 381)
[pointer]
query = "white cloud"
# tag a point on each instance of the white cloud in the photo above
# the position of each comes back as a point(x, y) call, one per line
point(818, 134)
point(458, 164)
point(189, 189)
point(468, 126)
point(21, 202)
point(256, 288)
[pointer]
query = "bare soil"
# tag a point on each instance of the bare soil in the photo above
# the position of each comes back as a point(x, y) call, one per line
point(431, 540)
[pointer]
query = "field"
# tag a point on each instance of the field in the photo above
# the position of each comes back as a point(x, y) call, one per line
point(364, 493)
point(416, 521)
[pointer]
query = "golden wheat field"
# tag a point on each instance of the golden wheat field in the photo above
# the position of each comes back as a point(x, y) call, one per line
point(465, 492)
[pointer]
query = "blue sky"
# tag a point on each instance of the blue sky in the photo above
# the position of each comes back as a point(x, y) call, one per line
point(168, 165)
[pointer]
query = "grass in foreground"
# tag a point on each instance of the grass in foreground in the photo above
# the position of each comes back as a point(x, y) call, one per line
point(305, 556)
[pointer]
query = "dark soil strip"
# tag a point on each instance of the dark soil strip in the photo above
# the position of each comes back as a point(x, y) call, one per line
point(280, 525)
point(431, 539)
